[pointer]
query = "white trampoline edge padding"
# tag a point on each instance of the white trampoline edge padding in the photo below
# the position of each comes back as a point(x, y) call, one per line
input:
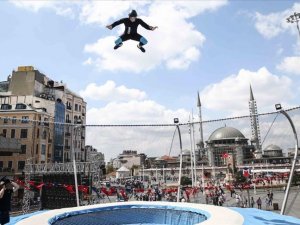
point(217, 215)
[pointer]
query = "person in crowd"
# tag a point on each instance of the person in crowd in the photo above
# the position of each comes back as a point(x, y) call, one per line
point(267, 202)
point(7, 188)
point(252, 202)
point(258, 202)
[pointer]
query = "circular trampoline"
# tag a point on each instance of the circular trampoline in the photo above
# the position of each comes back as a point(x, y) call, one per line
point(138, 213)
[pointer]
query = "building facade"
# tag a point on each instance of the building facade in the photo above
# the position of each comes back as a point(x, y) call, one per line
point(129, 158)
point(30, 87)
point(228, 143)
point(34, 139)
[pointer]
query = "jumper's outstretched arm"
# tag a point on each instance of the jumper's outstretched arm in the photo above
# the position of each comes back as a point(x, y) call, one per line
point(146, 26)
point(115, 24)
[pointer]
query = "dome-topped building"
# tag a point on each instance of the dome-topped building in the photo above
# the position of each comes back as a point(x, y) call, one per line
point(228, 143)
point(273, 151)
point(226, 133)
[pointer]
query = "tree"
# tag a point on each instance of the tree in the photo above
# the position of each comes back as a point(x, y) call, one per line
point(110, 168)
point(239, 178)
point(186, 181)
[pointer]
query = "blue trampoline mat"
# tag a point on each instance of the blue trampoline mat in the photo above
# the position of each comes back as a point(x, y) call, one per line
point(254, 216)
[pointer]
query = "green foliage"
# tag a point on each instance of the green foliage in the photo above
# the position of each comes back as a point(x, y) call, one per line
point(109, 169)
point(296, 178)
point(186, 181)
point(239, 178)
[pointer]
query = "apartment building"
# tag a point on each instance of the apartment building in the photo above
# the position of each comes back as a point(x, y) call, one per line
point(38, 92)
point(22, 139)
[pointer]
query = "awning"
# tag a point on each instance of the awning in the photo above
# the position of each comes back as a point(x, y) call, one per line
point(12, 145)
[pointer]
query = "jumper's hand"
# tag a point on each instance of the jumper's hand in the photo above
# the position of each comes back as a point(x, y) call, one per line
point(153, 28)
point(109, 27)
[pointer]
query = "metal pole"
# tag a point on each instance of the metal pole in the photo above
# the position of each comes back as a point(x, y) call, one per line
point(180, 166)
point(164, 173)
point(203, 185)
point(75, 169)
point(143, 174)
point(293, 164)
point(194, 152)
point(191, 153)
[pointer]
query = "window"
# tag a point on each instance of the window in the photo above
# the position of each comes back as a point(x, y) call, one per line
point(44, 134)
point(23, 133)
point(5, 120)
point(9, 164)
point(23, 149)
point(12, 133)
point(5, 107)
point(21, 165)
point(38, 133)
point(4, 131)
point(1, 164)
point(20, 106)
point(25, 119)
point(43, 150)
point(76, 107)
point(79, 108)
point(14, 120)
point(37, 149)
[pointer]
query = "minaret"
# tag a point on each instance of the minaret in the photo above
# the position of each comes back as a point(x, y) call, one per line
point(255, 140)
point(201, 142)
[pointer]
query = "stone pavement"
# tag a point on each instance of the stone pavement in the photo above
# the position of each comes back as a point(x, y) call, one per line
point(292, 208)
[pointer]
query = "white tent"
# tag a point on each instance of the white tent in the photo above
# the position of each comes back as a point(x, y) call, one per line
point(122, 172)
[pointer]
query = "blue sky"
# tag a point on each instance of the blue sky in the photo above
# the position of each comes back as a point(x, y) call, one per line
point(215, 47)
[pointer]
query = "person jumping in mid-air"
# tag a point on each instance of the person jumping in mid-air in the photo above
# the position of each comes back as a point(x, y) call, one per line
point(130, 32)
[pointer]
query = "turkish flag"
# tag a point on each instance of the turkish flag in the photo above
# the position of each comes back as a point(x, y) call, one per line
point(225, 155)
point(246, 173)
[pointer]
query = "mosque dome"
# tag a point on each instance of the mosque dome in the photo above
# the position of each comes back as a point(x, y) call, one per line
point(226, 133)
point(272, 148)
point(273, 151)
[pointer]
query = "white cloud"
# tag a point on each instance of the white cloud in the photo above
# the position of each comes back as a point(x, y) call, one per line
point(62, 8)
point(153, 141)
point(163, 47)
point(111, 92)
point(232, 93)
point(176, 44)
point(290, 65)
point(273, 24)
point(101, 12)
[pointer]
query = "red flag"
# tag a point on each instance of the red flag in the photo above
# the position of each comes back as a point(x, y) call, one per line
point(40, 186)
point(246, 173)
point(225, 155)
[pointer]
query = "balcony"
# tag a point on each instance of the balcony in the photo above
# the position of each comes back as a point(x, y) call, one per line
point(7, 171)
point(68, 121)
point(79, 121)
point(69, 107)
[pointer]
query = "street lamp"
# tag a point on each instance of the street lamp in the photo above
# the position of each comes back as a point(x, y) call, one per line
point(176, 121)
point(294, 18)
point(279, 108)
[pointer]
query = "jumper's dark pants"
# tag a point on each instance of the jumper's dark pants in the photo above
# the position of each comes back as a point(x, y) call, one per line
point(4, 217)
point(135, 37)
